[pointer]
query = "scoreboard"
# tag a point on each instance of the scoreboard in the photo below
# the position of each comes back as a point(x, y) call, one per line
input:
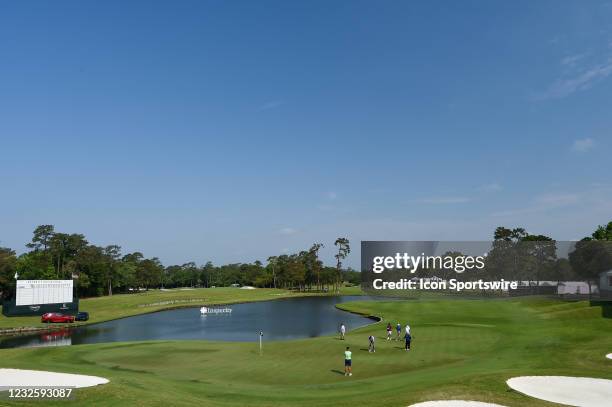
point(35, 292)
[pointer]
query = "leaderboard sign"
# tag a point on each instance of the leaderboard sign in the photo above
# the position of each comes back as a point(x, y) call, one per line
point(36, 292)
point(36, 297)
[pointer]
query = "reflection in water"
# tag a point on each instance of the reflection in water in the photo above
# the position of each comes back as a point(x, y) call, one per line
point(279, 320)
point(60, 337)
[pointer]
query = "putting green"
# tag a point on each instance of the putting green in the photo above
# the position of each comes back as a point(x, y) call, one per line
point(462, 349)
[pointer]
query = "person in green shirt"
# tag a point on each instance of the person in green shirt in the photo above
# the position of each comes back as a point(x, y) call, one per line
point(348, 371)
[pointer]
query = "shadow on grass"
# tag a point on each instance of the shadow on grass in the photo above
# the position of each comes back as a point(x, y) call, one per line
point(337, 371)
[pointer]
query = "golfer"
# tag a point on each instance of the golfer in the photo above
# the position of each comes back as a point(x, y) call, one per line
point(408, 337)
point(398, 329)
point(389, 330)
point(342, 331)
point(371, 346)
point(348, 371)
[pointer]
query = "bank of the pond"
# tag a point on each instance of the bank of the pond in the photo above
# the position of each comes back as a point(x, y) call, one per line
point(108, 308)
point(280, 319)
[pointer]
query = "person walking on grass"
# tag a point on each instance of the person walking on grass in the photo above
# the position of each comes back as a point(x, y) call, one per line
point(398, 329)
point(371, 345)
point(348, 370)
point(342, 331)
point(408, 337)
point(389, 330)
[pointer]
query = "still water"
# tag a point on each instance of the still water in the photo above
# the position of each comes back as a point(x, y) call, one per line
point(280, 319)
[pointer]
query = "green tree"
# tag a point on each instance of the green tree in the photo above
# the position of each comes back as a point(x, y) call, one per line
point(207, 274)
point(296, 271)
point(593, 255)
point(272, 264)
point(34, 266)
point(514, 235)
point(344, 249)
point(314, 264)
point(590, 258)
point(113, 255)
point(538, 255)
point(63, 248)
point(42, 237)
point(92, 270)
point(149, 273)
point(191, 273)
point(129, 269)
point(8, 266)
point(603, 232)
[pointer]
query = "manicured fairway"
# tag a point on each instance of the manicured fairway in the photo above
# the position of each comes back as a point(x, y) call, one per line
point(463, 349)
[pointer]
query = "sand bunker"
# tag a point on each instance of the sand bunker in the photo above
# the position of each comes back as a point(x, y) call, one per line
point(573, 391)
point(454, 403)
point(18, 377)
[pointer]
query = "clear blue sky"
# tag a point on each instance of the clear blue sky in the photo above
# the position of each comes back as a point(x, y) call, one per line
point(232, 131)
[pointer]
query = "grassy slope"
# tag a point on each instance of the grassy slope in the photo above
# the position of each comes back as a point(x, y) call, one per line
point(124, 305)
point(462, 349)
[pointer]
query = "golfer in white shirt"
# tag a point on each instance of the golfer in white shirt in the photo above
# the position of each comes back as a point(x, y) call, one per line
point(407, 337)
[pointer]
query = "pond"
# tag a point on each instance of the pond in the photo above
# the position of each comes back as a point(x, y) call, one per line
point(281, 319)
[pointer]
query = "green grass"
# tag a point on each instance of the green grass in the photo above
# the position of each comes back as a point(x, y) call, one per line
point(124, 305)
point(463, 349)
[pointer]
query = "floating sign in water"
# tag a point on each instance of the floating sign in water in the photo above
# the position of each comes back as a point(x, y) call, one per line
point(215, 310)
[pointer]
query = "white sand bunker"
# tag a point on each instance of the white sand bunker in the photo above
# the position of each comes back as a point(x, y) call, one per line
point(18, 377)
point(573, 391)
point(454, 403)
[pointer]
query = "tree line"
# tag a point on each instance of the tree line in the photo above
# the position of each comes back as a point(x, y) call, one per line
point(106, 270)
point(519, 255)
point(516, 255)
point(97, 270)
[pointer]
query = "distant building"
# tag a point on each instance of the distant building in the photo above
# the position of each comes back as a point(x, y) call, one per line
point(575, 288)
